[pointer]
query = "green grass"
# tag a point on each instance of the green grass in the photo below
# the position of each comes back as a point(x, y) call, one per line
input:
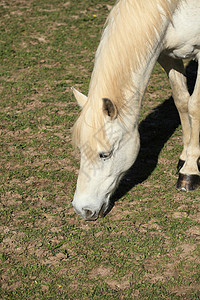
point(147, 247)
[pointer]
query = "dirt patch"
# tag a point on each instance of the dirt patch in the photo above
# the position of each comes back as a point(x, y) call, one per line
point(118, 285)
point(100, 271)
point(106, 274)
point(184, 291)
point(180, 214)
point(194, 232)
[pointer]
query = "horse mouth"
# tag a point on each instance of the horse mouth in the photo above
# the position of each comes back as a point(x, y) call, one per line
point(102, 211)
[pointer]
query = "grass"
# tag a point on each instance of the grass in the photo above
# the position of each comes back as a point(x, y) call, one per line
point(147, 247)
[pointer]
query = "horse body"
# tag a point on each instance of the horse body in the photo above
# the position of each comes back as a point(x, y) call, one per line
point(137, 34)
point(182, 38)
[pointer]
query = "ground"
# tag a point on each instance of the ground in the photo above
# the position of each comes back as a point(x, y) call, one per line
point(148, 245)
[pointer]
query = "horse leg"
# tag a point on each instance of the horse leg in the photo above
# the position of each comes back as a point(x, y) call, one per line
point(188, 179)
point(189, 176)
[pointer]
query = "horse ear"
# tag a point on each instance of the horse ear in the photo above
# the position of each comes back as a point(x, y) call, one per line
point(109, 108)
point(81, 99)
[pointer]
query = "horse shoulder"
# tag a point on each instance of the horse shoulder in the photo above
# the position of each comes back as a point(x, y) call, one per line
point(182, 38)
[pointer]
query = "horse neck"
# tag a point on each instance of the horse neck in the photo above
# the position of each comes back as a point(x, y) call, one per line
point(133, 96)
point(141, 78)
point(129, 96)
point(127, 54)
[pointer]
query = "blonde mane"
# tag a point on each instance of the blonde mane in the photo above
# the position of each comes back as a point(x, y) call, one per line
point(132, 31)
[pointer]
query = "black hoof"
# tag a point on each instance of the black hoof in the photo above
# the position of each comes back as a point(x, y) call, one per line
point(180, 165)
point(188, 182)
point(198, 163)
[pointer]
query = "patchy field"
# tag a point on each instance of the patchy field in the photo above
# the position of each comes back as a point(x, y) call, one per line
point(148, 246)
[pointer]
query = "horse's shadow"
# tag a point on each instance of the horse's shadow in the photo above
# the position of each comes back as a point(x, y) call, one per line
point(155, 130)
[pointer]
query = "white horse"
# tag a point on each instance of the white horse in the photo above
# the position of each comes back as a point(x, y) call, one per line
point(137, 34)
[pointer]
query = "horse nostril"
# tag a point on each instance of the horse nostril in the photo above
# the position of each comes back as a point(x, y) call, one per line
point(88, 213)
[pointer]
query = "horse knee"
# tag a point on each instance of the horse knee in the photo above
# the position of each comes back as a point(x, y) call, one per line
point(182, 104)
point(194, 108)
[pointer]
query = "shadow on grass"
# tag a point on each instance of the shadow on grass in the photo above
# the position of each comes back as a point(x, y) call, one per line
point(154, 131)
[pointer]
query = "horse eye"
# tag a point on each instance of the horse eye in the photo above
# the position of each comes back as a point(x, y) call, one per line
point(104, 155)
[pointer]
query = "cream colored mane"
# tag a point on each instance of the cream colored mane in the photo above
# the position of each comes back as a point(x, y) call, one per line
point(131, 31)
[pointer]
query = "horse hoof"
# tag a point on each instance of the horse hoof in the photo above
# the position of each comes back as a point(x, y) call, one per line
point(180, 165)
point(188, 182)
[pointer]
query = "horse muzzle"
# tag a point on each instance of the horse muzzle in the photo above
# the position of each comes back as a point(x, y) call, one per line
point(88, 211)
